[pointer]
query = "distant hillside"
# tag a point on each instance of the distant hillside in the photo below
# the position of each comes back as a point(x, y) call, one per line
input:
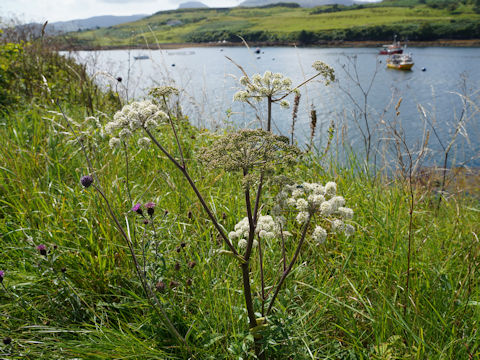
point(302, 3)
point(192, 5)
point(95, 22)
point(288, 25)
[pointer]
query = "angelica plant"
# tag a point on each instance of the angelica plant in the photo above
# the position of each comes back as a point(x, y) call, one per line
point(275, 87)
point(259, 157)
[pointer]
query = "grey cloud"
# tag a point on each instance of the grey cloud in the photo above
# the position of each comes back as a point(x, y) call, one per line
point(124, 1)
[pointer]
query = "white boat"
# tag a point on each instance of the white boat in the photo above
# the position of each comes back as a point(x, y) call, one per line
point(400, 61)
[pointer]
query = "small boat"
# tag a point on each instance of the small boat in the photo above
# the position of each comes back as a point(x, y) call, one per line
point(400, 62)
point(141, 57)
point(393, 48)
point(257, 50)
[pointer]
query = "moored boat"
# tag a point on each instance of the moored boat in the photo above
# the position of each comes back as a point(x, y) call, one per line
point(400, 62)
point(393, 48)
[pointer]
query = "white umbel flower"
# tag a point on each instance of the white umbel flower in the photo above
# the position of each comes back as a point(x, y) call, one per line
point(319, 234)
point(242, 244)
point(345, 213)
point(330, 189)
point(144, 143)
point(302, 217)
point(349, 230)
point(338, 225)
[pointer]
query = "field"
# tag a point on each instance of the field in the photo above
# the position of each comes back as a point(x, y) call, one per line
point(77, 284)
point(289, 25)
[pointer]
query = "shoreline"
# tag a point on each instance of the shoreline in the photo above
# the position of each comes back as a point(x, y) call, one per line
point(326, 44)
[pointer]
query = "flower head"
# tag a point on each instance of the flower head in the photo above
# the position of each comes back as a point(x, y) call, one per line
point(325, 71)
point(319, 234)
point(268, 85)
point(42, 249)
point(137, 208)
point(86, 180)
point(150, 206)
point(2, 274)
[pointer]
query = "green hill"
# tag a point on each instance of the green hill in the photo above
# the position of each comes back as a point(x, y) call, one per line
point(410, 19)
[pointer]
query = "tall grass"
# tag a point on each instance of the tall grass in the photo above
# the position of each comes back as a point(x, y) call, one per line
point(345, 300)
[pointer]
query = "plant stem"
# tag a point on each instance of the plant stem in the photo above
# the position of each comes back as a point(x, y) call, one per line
point(269, 114)
point(262, 280)
point(150, 294)
point(180, 150)
point(194, 188)
point(290, 265)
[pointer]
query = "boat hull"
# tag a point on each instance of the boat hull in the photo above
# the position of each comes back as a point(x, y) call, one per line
point(400, 66)
point(390, 52)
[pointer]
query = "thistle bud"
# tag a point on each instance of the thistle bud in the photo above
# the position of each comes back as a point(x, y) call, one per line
point(2, 274)
point(160, 286)
point(86, 180)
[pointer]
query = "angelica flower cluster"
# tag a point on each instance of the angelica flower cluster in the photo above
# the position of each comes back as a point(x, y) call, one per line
point(134, 116)
point(266, 229)
point(313, 198)
point(268, 85)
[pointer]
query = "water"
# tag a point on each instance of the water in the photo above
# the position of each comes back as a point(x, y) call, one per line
point(432, 103)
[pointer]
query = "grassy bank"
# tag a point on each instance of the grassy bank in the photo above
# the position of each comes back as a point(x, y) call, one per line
point(79, 297)
point(279, 25)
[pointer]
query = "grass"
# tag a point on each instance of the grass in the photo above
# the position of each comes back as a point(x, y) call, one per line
point(284, 22)
point(344, 299)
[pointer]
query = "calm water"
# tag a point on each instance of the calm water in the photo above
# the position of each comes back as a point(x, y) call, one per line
point(209, 80)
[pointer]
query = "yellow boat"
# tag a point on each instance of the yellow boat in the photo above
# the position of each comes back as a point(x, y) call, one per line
point(400, 61)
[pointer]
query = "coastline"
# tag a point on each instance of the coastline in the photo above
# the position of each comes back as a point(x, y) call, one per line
point(326, 44)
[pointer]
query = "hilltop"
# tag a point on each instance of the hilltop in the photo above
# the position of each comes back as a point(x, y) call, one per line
point(284, 24)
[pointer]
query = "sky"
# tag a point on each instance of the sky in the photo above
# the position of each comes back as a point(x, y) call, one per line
point(62, 10)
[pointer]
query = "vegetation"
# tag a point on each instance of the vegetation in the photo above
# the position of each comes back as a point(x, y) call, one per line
point(404, 286)
point(412, 19)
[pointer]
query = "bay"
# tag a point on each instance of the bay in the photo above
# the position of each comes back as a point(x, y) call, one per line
point(440, 103)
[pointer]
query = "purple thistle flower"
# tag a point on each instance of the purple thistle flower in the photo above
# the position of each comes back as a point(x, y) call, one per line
point(150, 206)
point(42, 249)
point(137, 208)
point(2, 274)
point(86, 180)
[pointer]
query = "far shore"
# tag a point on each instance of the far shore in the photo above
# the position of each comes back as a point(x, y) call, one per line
point(326, 44)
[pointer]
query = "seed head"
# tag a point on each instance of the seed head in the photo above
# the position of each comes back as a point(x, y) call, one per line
point(86, 180)
point(192, 264)
point(7, 340)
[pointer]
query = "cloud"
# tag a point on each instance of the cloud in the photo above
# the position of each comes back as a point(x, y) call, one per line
point(124, 1)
